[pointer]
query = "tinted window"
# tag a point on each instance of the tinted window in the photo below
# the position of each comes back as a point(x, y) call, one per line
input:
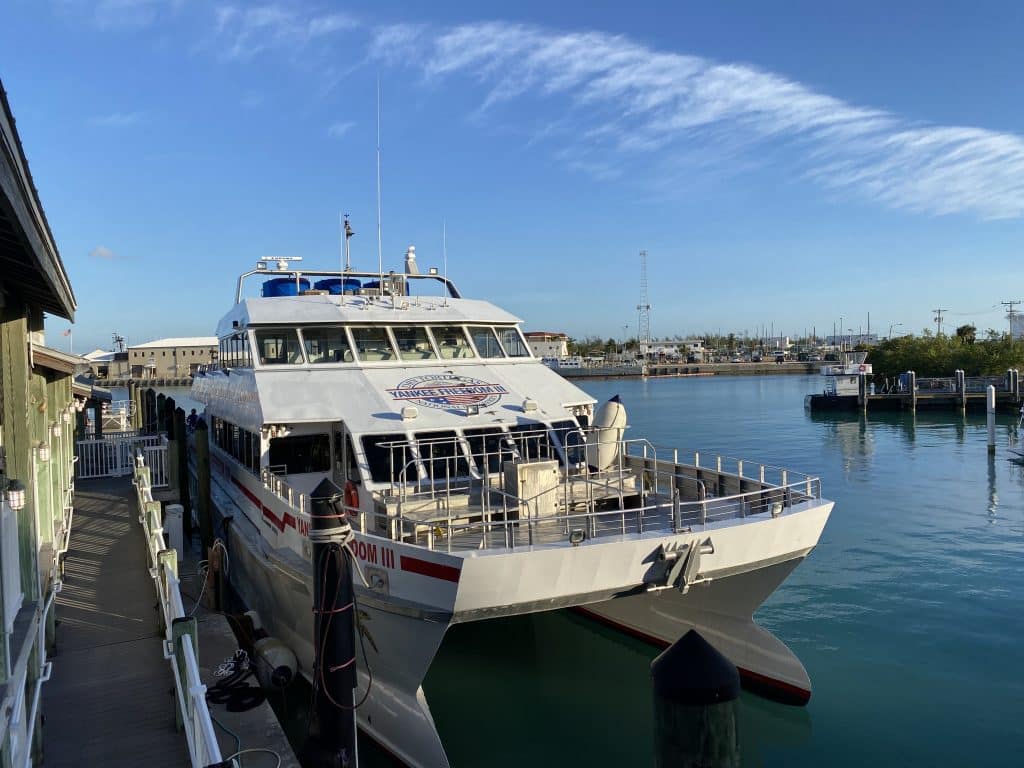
point(326, 345)
point(442, 455)
point(489, 447)
point(413, 343)
point(570, 438)
point(531, 440)
point(452, 342)
point(303, 453)
point(486, 342)
point(389, 462)
point(513, 342)
point(278, 346)
point(373, 344)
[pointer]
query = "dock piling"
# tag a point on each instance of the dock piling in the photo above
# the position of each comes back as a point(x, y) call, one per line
point(334, 622)
point(990, 407)
point(695, 693)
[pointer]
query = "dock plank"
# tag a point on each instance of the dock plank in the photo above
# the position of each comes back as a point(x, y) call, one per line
point(109, 700)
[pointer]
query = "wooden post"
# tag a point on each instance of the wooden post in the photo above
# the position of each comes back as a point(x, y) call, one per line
point(136, 396)
point(990, 408)
point(184, 491)
point(203, 501)
point(913, 390)
point(161, 411)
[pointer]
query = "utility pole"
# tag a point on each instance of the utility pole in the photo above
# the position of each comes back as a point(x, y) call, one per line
point(1011, 314)
point(938, 320)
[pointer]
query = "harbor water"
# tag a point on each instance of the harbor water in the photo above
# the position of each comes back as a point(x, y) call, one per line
point(909, 616)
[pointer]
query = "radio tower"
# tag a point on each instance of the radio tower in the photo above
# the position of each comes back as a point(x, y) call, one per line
point(643, 321)
point(938, 320)
point(1011, 314)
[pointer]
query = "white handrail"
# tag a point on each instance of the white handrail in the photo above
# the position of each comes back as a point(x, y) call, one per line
point(190, 692)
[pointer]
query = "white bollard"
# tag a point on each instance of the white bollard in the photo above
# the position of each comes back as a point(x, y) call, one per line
point(990, 403)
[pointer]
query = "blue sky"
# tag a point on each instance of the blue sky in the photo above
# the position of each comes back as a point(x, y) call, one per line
point(783, 164)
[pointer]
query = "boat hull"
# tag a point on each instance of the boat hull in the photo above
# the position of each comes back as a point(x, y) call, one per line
point(767, 667)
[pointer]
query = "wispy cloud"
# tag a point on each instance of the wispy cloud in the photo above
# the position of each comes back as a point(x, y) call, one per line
point(115, 119)
point(632, 103)
point(102, 252)
point(337, 130)
point(244, 31)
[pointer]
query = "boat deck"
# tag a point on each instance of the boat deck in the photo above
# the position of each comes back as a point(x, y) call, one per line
point(108, 701)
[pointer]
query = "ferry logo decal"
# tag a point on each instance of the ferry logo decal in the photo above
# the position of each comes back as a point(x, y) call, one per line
point(445, 390)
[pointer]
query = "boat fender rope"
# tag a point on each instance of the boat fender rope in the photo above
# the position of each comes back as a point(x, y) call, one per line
point(342, 609)
point(348, 663)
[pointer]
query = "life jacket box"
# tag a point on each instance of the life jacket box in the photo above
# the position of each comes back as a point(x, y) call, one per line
point(537, 483)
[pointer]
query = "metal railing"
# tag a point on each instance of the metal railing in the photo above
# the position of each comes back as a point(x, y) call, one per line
point(179, 630)
point(113, 456)
point(444, 495)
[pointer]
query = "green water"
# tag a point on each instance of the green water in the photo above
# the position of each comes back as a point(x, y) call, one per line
point(909, 616)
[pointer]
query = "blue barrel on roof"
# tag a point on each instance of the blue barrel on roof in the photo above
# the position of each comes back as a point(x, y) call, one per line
point(350, 285)
point(331, 285)
point(372, 285)
point(284, 286)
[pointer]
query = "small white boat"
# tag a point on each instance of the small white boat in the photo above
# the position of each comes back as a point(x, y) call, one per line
point(480, 484)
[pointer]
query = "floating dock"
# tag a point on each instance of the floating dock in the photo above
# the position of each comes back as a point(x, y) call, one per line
point(957, 392)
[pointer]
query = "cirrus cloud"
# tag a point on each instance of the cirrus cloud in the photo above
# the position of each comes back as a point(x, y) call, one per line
point(627, 102)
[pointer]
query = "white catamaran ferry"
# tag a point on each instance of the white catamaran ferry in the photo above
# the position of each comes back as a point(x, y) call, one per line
point(480, 484)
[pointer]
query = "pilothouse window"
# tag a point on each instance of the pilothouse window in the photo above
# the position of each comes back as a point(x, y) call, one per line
point(413, 342)
point(326, 345)
point(452, 342)
point(278, 346)
point(486, 342)
point(513, 342)
point(373, 344)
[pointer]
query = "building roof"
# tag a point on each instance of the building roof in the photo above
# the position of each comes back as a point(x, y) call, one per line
point(29, 261)
point(544, 334)
point(98, 354)
point(180, 341)
point(54, 360)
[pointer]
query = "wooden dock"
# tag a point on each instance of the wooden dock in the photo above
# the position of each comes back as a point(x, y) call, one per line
point(109, 699)
point(910, 392)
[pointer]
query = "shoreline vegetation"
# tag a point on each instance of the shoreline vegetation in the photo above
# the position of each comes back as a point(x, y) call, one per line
point(941, 355)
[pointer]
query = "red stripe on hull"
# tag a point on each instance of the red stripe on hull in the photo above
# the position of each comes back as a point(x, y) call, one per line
point(762, 685)
point(268, 513)
point(427, 568)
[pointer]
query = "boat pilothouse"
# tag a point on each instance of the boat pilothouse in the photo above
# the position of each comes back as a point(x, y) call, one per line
point(480, 483)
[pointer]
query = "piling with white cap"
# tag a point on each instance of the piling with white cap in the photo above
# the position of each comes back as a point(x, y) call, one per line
point(990, 402)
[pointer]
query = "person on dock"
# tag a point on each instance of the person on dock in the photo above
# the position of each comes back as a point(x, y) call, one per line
point(191, 420)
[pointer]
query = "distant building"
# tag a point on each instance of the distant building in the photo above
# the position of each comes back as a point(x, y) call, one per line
point(171, 358)
point(778, 342)
point(544, 344)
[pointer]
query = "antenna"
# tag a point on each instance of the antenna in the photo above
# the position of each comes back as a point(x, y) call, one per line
point(380, 248)
point(938, 320)
point(444, 259)
point(1011, 314)
point(643, 308)
point(346, 233)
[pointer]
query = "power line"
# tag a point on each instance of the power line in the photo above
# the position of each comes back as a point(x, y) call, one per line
point(938, 320)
